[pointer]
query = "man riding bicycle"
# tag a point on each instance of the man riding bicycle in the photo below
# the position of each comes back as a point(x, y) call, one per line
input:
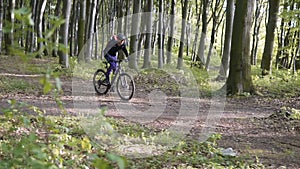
point(116, 44)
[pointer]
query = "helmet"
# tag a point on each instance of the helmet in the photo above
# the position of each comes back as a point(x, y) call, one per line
point(121, 36)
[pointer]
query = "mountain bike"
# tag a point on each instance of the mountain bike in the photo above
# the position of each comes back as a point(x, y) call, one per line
point(124, 82)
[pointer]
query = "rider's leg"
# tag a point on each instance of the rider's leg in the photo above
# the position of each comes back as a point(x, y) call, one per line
point(112, 66)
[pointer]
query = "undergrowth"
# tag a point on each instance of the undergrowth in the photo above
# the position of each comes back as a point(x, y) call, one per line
point(281, 83)
point(39, 141)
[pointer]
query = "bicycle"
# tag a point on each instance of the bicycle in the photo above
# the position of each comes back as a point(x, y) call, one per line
point(125, 84)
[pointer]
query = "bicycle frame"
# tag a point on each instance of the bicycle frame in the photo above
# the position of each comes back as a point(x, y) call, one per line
point(119, 70)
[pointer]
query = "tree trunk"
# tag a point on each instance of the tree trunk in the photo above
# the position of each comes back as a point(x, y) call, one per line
point(96, 27)
point(81, 27)
point(90, 28)
point(120, 14)
point(217, 19)
point(256, 29)
point(147, 58)
point(266, 63)
point(64, 32)
point(224, 69)
point(200, 56)
point(88, 10)
point(30, 34)
point(198, 12)
point(135, 24)
point(72, 27)
point(280, 39)
point(160, 35)
point(154, 37)
point(1, 24)
point(9, 37)
point(239, 79)
point(171, 32)
point(40, 14)
point(182, 38)
point(55, 34)
point(127, 13)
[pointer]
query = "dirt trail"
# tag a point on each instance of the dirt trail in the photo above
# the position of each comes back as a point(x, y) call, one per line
point(244, 124)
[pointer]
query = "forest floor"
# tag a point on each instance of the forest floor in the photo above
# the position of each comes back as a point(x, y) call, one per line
point(248, 125)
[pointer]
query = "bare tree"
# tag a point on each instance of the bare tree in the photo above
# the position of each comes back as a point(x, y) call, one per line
point(194, 48)
point(9, 37)
point(81, 27)
point(147, 59)
point(1, 24)
point(217, 17)
point(258, 16)
point(64, 32)
point(73, 27)
point(90, 34)
point(266, 63)
point(182, 38)
point(201, 49)
point(160, 35)
point(40, 13)
point(171, 32)
point(223, 72)
point(135, 24)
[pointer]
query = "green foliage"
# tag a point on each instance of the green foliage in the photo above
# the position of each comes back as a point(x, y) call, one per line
point(193, 154)
point(289, 113)
point(15, 85)
point(24, 15)
point(39, 141)
point(281, 83)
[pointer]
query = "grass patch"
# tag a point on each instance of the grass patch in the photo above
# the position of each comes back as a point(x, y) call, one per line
point(280, 84)
point(38, 141)
point(16, 85)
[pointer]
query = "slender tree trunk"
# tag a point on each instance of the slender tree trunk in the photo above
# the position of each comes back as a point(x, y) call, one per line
point(55, 36)
point(182, 38)
point(1, 24)
point(256, 29)
point(297, 57)
point(90, 29)
point(266, 63)
point(9, 37)
point(188, 30)
point(194, 55)
point(154, 37)
point(201, 49)
point(40, 13)
point(88, 10)
point(135, 24)
point(239, 79)
point(171, 32)
point(64, 32)
point(280, 40)
point(160, 35)
point(127, 13)
point(217, 19)
point(120, 6)
point(30, 43)
point(224, 69)
point(81, 27)
point(96, 27)
point(73, 27)
point(147, 57)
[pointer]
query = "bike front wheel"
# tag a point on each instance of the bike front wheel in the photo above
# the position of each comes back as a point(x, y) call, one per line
point(100, 83)
point(125, 86)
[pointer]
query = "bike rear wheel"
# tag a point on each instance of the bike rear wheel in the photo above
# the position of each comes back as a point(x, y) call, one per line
point(125, 86)
point(100, 83)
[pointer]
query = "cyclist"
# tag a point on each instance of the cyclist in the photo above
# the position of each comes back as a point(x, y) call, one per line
point(116, 43)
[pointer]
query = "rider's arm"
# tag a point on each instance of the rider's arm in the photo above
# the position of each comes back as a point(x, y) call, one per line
point(125, 50)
